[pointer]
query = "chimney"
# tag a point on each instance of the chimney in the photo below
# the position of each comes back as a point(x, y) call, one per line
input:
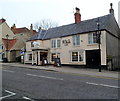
point(2, 20)
point(77, 15)
point(31, 27)
point(13, 27)
point(111, 11)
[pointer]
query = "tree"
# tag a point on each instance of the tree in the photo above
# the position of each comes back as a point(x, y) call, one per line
point(45, 24)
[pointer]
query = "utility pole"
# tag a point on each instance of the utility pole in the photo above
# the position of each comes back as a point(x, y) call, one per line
point(99, 42)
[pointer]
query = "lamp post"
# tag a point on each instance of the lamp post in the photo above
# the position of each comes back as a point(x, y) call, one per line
point(99, 42)
point(7, 48)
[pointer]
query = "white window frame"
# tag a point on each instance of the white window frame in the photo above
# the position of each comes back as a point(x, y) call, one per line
point(79, 52)
point(75, 41)
point(56, 43)
point(91, 38)
point(57, 54)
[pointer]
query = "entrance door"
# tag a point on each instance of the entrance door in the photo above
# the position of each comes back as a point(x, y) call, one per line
point(92, 58)
point(43, 55)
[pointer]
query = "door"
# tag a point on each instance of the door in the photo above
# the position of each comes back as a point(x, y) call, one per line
point(92, 58)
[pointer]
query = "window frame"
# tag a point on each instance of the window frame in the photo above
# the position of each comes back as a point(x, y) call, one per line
point(92, 38)
point(79, 54)
point(56, 54)
point(76, 41)
point(56, 43)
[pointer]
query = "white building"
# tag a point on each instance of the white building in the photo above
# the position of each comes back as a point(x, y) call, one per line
point(77, 43)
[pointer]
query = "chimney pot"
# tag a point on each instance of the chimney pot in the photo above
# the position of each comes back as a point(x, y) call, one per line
point(111, 11)
point(31, 27)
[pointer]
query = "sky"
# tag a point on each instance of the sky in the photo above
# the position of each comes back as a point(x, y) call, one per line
point(26, 12)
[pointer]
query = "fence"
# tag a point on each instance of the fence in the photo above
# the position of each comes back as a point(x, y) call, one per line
point(113, 63)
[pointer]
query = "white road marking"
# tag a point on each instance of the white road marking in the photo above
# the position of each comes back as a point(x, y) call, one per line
point(24, 97)
point(8, 71)
point(45, 77)
point(11, 94)
point(102, 85)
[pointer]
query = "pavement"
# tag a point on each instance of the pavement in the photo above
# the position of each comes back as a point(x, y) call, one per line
point(71, 70)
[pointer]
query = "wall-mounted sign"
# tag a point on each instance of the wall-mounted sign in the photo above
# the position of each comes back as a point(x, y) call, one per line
point(35, 44)
point(66, 42)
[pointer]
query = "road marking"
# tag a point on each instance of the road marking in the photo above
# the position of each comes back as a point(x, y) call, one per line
point(102, 85)
point(8, 71)
point(24, 97)
point(11, 94)
point(45, 77)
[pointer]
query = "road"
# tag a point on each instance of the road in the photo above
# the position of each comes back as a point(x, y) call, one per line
point(31, 84)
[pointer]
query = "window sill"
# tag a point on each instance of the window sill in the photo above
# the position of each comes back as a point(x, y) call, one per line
point(56, 48)
point(81, 62)
point(76, 61)
point(94, 44)
point(76, 45)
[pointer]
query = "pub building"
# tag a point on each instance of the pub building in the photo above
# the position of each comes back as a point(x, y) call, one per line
point(77, 43)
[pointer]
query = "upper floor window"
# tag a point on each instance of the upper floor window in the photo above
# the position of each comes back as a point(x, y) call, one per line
point(76, 40)
point(1, 47)
point(56, 43)
point(92, 38)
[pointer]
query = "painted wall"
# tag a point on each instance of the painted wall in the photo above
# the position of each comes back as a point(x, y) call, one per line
point(65, 51)
point(112, 47)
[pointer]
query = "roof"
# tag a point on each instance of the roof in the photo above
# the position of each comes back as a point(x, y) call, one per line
point(19, 30)
point(39, 35)
point(10, 42)
point(106, 22)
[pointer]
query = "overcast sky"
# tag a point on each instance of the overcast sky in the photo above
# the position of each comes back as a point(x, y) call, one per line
point(25, 12)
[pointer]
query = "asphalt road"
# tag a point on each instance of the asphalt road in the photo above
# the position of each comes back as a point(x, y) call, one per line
point(31, 84)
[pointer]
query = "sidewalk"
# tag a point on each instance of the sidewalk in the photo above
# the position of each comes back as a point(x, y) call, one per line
point(71, 70)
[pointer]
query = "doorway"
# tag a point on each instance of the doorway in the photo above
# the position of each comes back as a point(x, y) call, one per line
point(92, 58)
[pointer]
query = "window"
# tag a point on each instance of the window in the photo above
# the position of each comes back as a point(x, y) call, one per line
point(32, 45)
point(55, 55)
point(56, 43)
point(1, 47)
point(77, 56)
point(29, 56)
point(92, 38)
point(76, 40)
point(74, 56)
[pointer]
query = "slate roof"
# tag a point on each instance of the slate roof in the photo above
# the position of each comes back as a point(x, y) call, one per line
point(106, 22)
point(39, 35)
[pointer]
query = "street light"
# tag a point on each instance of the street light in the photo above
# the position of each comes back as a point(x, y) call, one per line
point(99, 42)
point(7, 48)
